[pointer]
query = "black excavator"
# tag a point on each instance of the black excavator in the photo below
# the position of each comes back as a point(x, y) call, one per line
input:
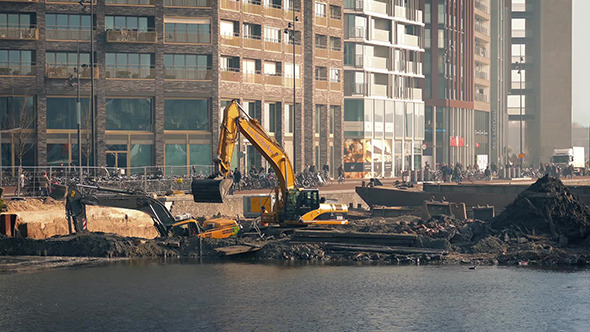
point(78, 196)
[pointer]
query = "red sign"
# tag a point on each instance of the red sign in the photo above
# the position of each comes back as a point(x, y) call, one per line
point(453, 141)
point(461, 141)
point(457, 141)
point(477, 145)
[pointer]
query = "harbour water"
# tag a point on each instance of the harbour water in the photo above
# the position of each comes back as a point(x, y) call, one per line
point(191, 296)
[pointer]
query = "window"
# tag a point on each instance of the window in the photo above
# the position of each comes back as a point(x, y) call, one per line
point(320, 9)
point(319, 109)
point(272, 68)
point(68, 27)
point(354, 110)
point(187, 66)
point(333, 110)
point(229, 63)
point(289, 70)
point(62, 113)
point(129, 114)
point(229, 28)
point(335, 12)
point(272, 35)
point(288, 118)
point(335, 44)
point(252, 31)
point(186, 114)
point(64, 64)
point(321, 41)
point(15, 21)
point(270, 116)
point(187, 3)
point(128, 23)
point(129, 65)
point(17, 63)
point(11, 115)
point(321, 73)
point(334, 75)
point(187, 30)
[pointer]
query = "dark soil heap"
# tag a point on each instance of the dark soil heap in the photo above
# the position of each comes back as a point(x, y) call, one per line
point(546, 207)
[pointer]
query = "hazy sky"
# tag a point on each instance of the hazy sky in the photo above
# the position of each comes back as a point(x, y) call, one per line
point(581, 64)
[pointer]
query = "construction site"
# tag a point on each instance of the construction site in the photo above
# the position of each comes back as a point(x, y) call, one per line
point(541, 222)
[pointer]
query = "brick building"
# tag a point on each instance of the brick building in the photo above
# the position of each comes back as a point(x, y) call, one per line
point(164, 70)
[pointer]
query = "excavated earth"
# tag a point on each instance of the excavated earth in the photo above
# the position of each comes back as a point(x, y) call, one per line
point(545, 226)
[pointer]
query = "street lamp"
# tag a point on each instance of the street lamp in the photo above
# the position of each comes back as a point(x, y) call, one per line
point(519, 65)
point(85, 5)
point(290, 30)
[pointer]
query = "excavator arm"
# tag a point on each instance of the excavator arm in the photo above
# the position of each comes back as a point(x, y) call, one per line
point(236, 120)
point(78, 197)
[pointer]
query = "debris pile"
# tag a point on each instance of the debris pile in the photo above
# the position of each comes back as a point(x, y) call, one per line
point(547, 207)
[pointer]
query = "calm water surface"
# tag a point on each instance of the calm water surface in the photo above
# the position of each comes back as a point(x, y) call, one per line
point(188, 296)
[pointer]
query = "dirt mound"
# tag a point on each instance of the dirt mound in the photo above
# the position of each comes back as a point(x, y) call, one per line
point(546, 207)
point(34, 205)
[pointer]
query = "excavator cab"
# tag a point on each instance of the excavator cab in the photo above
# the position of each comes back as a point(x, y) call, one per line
point(210, 190)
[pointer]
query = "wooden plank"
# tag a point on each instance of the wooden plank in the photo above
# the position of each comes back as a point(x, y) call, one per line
point(386, 250)
point(237, 249)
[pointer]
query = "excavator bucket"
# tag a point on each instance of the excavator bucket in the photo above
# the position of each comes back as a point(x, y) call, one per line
point(210, 190)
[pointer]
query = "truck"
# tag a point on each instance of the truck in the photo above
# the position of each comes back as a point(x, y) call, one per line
point(573, 156)
point(290, 205)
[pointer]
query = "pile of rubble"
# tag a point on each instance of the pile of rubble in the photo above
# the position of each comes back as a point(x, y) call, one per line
point(548, 208)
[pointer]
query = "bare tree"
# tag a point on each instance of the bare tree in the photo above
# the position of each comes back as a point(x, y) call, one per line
point(23, 135)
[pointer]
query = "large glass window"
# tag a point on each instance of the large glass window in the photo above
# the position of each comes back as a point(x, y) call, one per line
point(17, 63)
point(140, 155)
point(62, 114)
point(185, 31)
point(68, 27)
point(354, 110)
point(129, 65)
point(200, 155)
point(270, 116)
point(129, 114)
point(187, 66)
point(15, 112)
point(186, 114)
point(57, 154)
point(176, 157)
point(128, 23)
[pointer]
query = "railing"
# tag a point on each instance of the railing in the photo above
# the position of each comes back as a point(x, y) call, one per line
point(230, 5)
point(359, 88)
point(357, 32)
point(276, 79)
point(189, 3)
point(188, 38)
point(356, 5)
point(20, 33)
point(252, 41)
point(53, 33)
point(359, 60)
point(481, 97)
point(66, 71)
point(481, 51)
point(252, 7)
point(131, 36)
point(288, 81)
point(481, 29)
point(130, 72)
point(15, 69)
point(231, 40)
point(189, 74)
point(412, 40)
point(231, 74)
point(274, 11)
point(131, 2)
point(252, 77)
point(481, 6)
point(481, 75)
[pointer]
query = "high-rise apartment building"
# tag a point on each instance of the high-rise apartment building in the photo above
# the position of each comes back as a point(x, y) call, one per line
point(540, 100)
point(164, 70)
point(383, 108)
point(457, 88)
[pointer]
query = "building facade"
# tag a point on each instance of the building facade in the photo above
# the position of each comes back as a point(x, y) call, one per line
point(163, 71)
point(383, 108)
point(540, 100)
point(457, 89)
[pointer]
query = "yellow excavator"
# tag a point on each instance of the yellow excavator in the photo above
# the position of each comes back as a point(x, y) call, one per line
point(292, 205)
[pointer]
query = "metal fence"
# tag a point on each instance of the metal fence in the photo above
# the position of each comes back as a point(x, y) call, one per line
point(36, 181)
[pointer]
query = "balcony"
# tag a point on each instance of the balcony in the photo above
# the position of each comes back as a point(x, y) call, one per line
point(357, 32)
point(189, 3)
point(19, 33)
point(252, 41)
point(17, 69)
point(131, 36)
point(482, 7)
point(481, 51)
point(321, 51)
point(288, 82)
point(288, 14)
point(273, 45)
point(130, 2)
point(115, 72)
point(231, 40)
point(481, 29)
point(67, 71)
point(187, 38)
point(412, 40)
point(321, 20)
point(275, 79)
point(321, 84)
point(252, 77)
point(274, 11)
point(188, 74)
point(252, 7)
point(230, 5)
point(481, 75)
point(67, 34)
point(481, 97)
point(231, 74)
